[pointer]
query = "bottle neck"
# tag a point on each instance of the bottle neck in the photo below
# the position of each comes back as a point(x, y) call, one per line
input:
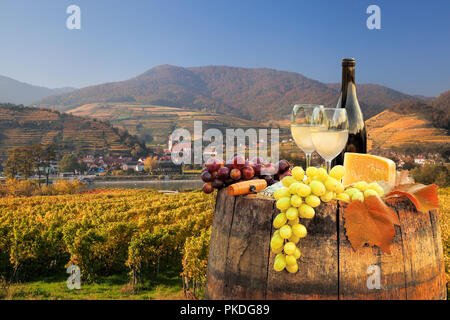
point(348, 83)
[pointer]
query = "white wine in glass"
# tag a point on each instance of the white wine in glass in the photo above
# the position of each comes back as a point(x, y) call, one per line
point(329, 132)
point(301, 125)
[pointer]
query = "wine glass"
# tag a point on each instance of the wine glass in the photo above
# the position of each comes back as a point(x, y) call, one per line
point(329, 132)
point(301, 122)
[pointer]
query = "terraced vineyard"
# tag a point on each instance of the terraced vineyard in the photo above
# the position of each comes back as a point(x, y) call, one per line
point(155, 123)
point(21, 126)
point(389, 129)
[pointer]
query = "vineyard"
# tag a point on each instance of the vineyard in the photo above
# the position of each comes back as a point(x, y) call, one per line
point(154, 124)
point(22, 126)
point(105, 233)
point(116, 236)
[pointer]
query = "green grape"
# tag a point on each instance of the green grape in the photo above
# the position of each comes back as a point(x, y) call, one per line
point(311, 171)
point(328, 196)
point(343, 197)
point(380, 191)
point(322, 174)
point(296, 201)
point(277, 250)
point(331, 184)
point(292, 222)
point(284, 203)
point(351, 191)
point(292, 213)
point(317, 188)
point(281, 256)
point(290, 260)
point(339, 188)
point(306, 212)
point(276, 242)
point(279, 264)
point(280, 220)
point(281, 193)
point(312, 201)
point(299, 230)
point(294, 187)
point(287, 181)
point(358, 196)
point(375, 186)
point(292, 268)
point(289, 248)
point(370, 192)
point(294, 239)
point(286, 231)
point(337, 172)
point(298, 173)
point(361, 185)
point(297, 254)
point(304, 190)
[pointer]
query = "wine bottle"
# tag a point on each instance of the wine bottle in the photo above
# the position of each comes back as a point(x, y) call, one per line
point(357, 135)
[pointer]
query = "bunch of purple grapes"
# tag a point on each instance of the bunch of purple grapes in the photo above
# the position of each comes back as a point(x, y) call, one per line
point(218, 174)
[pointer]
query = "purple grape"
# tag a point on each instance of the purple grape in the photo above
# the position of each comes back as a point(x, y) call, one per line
point(282, 166)
point(217, 184)
point(223, 173)
point(207, 188)
point(206, 176)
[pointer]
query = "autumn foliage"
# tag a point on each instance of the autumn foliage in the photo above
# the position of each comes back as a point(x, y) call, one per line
point(372, 221)
point(105, 232)
point(16, 187)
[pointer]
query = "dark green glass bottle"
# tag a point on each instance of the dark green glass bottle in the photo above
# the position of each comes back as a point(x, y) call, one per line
point(357, 135)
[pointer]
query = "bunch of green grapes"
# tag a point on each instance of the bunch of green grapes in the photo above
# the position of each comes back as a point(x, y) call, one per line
point(361, 190)
point(302, 192)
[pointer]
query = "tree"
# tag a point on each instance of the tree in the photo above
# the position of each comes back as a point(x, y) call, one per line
point(430, 173)
point(150, 164)
point(37, 152)
point(83, 167)
point(69, 163)
point(12, 163)
point(20, 161)
point(48, 156)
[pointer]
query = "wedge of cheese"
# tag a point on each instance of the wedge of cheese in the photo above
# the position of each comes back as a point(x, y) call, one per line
point(369, 168)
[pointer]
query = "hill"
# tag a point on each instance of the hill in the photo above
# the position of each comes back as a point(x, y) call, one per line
point(154, 124)
point(23, 126)
point(13, 91)
point(374, 98)
point(256, 94)
point(413, 124)
point(441, 110)
point(391, 129)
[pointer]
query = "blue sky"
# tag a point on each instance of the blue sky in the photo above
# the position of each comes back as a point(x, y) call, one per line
point(121, 39)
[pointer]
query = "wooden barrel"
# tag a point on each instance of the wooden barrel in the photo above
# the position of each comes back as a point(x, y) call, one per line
point(240, 264)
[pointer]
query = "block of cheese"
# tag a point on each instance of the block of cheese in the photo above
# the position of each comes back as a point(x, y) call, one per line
point(367, 167)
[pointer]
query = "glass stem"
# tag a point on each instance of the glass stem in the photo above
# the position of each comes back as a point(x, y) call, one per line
point(328, 165)
point(308, 160)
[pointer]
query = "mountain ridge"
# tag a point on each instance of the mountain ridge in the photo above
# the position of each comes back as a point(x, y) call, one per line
point(257, 94)
point(18, 92)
